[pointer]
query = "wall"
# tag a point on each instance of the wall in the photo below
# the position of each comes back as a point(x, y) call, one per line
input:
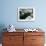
point(9, 13)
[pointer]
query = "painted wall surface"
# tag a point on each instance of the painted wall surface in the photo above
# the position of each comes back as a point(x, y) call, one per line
point(8, 13)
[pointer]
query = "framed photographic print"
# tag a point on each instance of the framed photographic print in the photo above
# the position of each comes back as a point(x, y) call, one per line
point(26, 14)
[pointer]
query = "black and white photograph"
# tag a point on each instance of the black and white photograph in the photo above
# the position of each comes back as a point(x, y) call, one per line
point(26, 14)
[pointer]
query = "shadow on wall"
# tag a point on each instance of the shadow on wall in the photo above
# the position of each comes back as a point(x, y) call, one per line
point(2, 26)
